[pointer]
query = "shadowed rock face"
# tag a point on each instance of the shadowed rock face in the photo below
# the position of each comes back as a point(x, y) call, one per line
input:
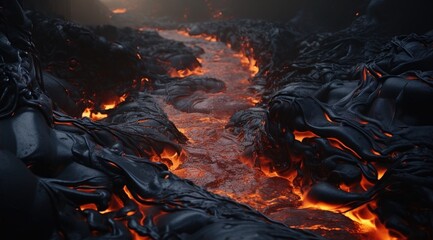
point(87, 12)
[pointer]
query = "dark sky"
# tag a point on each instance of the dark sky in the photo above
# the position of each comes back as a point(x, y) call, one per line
point(397, 15)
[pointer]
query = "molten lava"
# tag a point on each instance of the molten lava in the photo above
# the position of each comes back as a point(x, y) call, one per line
point(119, 10)
point(302, 135)
point(169, 157)
point(185, 72)
point(248, 62)
point(95, 115)
point(215, 158)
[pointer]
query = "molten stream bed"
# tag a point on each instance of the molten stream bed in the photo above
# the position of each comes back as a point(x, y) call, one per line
point(214, 155)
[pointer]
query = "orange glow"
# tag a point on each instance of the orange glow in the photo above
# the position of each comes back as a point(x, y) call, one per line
point(185, 72)
point(380, 172)
point(119, 10)
point(126, 190)
point(301, 135)
point(177, 162)
point(328, 118)
point(365, 72)
point(248, 62)
point(255, 200)
point(205, 148)
point(210, 38)
point(116, 204)
point(95, 116)
point(170, 158)
point(340, 145)
point(206, 37)
point(313, 204)
point(266, 166)
point(388, 134)
point(368, 223)
point(317, 227)
point(375, 152)
point(344, 187)
point(253, 100)
point(365, 184)
point(184, 33)
point(109, 106)
point(98, 116)
point(262, 163)
point(88, 206)
point(378, 74)
point(88, 112)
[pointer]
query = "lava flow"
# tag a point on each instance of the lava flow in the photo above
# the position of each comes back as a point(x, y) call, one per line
point(213, 154)
point(215, 158)
point(95, 115)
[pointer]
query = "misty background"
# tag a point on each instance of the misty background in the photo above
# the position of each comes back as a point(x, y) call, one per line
point(329, 15)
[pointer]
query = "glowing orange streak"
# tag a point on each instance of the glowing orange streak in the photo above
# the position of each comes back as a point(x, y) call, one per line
point(369, 223)
point(88, 112)
point(185, 72)
point(301, 135)
point(328, 118)
point(340, 145)
point(378, 74)
point(388, 134)
point(375, 152)
point(210, 38)
point(248, 62)
point(88, 206)
point(119, 10)
point(94, 116)
point(170, 157)
point(380, 173)
point(253, 100)
point(317, 227)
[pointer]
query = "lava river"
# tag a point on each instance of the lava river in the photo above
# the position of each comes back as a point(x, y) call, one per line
point(213, 155)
